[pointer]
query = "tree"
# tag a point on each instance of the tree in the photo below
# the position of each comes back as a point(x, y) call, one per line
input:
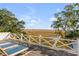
point(68, 19)
point(9, 23)
point(57, 24)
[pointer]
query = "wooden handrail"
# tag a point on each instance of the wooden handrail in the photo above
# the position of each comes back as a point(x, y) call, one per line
point(31, 39)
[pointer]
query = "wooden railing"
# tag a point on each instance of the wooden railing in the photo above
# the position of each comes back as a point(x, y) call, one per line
point(49, 42)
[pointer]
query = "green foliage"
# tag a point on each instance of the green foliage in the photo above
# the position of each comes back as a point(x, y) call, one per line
point(9, 23)
point(73, 34)
point(68, 19)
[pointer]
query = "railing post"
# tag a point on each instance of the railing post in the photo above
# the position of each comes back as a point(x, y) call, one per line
point(40, 38)
point(21, 37)
point(29, 40)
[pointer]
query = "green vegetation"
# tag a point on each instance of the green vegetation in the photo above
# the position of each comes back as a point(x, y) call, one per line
point(9, 23)
point(68, 21)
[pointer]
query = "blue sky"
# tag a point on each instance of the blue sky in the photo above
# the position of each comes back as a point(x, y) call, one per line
point(35, 15)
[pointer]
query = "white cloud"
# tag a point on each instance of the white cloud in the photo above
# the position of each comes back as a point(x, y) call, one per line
point(52, 19)
point(31, 21)
point(29, 18)
point(34, 21)
point(31, 24)
point(58, 10)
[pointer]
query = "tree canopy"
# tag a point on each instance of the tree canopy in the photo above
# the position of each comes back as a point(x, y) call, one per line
point(67, 19)
point(9, 23)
